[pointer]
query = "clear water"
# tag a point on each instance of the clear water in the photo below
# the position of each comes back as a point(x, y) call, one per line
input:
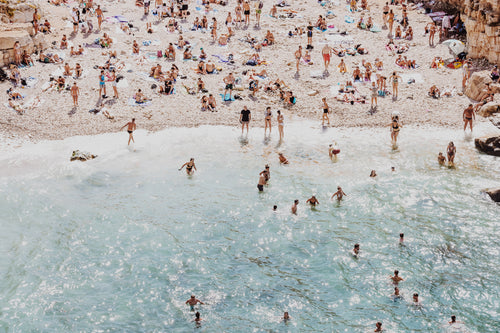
point(118, 244)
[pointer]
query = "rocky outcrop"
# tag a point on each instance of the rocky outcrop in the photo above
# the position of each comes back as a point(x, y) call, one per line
point(18, 28)
point(482, 22)
point(81, 156)
point(488, 109)
point(494, 194)
point(477, 84)
point(488, 145)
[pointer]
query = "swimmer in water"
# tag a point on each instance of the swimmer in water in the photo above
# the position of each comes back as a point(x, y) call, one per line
point(261, 183)
point(396, 278)
point(355, 251)
point(312, 201)
point(396, 294)
point(441, 159)
point(339, 194)
point(286, 316)
point(454, 321)
point(401, 239)
point(197, 318)
point(266, 173)
point(416, 302)
point(294, 206)
point(189, 166)
point(282, 158)
point(193, 301)
point(275, 208)
point(373, 174)
point(378, 327)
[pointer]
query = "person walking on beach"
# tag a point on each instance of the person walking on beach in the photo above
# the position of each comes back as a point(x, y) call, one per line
point(267, 120)
point(451, 151)
point(113, 83)
point(279, 118)
point(339, 194)
point(468, 115)
point(189, 167)
point(374, 90)
point(75, 91)
point(326, 52)
point(294, 206)
point(102, 84)
point(245, 117)
point(193, 301)
point(229, 81)
point(298, 56)
point(131, 127)
point(326, 110)
point(394, 78)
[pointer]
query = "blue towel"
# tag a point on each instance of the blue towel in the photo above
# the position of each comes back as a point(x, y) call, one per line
point(226, 98)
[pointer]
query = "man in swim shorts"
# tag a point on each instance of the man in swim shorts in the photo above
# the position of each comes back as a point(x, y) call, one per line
point(229, 81)
point(193, 301)
point(131, 127)
point(468, 115)
point(326, 52)
point(262, 182)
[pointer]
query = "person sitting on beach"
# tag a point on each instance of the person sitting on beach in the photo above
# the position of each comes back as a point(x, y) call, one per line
point(170, 52)
point(201, 68)
point(73, 52)
point(495, 74)
point(253, 85)
point(60, 83)
point(434, 92)
point(27, 59)
point(379, 65)
point(223, 39)
point(398, 33)
point(181, 42)
point(437, 62)
point(187, 54)
point(269, 39)
point(369, 23)
point(67, 70)
point(64, 43)
point(202, 55)
point(139, 97)
point(204, 103)
point(409, 34)
point(342, 67)
point(356, 74)
point(45, 27)
point(282, 158)
point(212, 103)
point(105, 40)
point(487, 95)
point(307, 58)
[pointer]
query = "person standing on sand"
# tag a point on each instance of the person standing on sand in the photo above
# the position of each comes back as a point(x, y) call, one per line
point(102, 84)
point(113, 83)
point(75, 91)
point(390, 19)
point(374, 90)
point(100, 16)
point(468, 115)
point(326, 52)
point(245, 117)
point(326, 111)
point(394, 78)
point(131, 127)
point(432, 32)
point(229, 81)
point(246, 12)
point(280, 124)
point(298, 56)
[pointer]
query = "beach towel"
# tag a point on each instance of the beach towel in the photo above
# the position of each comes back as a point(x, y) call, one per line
point(31, 81)
point(348, 19)
point(417, 77)
point(226, 98)
point(316, 74)
point(376, 28)
point(93, 45)
point(132, 102)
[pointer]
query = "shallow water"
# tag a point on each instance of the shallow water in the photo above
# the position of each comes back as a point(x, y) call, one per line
point(117, 244)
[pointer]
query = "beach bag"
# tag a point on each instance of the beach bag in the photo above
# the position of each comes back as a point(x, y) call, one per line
point(159, 54)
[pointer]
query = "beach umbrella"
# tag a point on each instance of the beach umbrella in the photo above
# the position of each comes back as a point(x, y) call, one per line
point(455, 46)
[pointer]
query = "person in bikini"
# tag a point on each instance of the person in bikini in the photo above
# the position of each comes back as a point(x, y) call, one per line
point(451, 151)
point(99, 15)
point(395, 127)
point(131, 127)
point(267, 120)
point(298, 56)
point(280, 124)
point(189, 170)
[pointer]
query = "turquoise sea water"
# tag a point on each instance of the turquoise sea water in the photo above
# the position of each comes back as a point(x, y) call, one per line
point(119, 243)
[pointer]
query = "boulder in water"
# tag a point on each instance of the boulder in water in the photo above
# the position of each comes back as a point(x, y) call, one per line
point(489, 145)
point(81, 156)
point(494, 194)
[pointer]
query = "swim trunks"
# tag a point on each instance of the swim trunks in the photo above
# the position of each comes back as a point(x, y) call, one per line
point(326, 56)
point(129, 132)
point(260, 187)
point(229, 86)
point(246, 12)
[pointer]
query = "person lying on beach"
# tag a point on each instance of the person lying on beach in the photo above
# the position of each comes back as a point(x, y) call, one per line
point(16, 106)
point(139, 97)
point(49, 58)
point(135, 47)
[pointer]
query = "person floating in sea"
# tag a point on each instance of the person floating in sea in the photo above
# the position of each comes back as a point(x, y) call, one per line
point(355, 250)
point(416, 301)
point(468, 115)
point(378, 327)
point(197, 318)
point(286, 316)
point(396, 294)
point(294, 206)
point(451, 151)
point(282, 158)
point(441, 159)
point(401, 239)
point(396, 278)
point(131, 127)
point(333, 151)
point(373, 174)
point(312, 201)
point(193, 301)
point(339, 194)
point(189, 166)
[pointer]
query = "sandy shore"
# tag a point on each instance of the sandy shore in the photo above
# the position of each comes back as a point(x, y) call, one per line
point(56, 118)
